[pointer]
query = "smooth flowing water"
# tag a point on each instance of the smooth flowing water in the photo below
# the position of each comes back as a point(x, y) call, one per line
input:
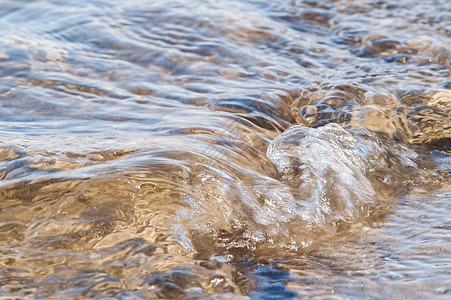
point(225, 149)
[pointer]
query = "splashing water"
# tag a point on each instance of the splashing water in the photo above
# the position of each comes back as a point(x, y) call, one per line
point(224, 149)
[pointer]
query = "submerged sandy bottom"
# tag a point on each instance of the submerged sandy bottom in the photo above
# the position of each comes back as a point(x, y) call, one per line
point(225, 150)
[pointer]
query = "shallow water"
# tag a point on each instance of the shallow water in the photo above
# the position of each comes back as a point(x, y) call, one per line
point(224, 149)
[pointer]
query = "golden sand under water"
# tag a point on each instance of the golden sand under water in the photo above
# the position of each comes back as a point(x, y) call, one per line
point(225, 150)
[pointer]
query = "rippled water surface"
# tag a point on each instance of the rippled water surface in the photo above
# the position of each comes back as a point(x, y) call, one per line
point(225, 149)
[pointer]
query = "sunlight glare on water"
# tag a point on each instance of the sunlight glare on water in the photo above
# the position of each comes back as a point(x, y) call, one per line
point(225, 149)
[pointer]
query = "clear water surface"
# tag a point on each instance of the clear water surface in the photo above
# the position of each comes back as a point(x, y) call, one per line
point(225, 149)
